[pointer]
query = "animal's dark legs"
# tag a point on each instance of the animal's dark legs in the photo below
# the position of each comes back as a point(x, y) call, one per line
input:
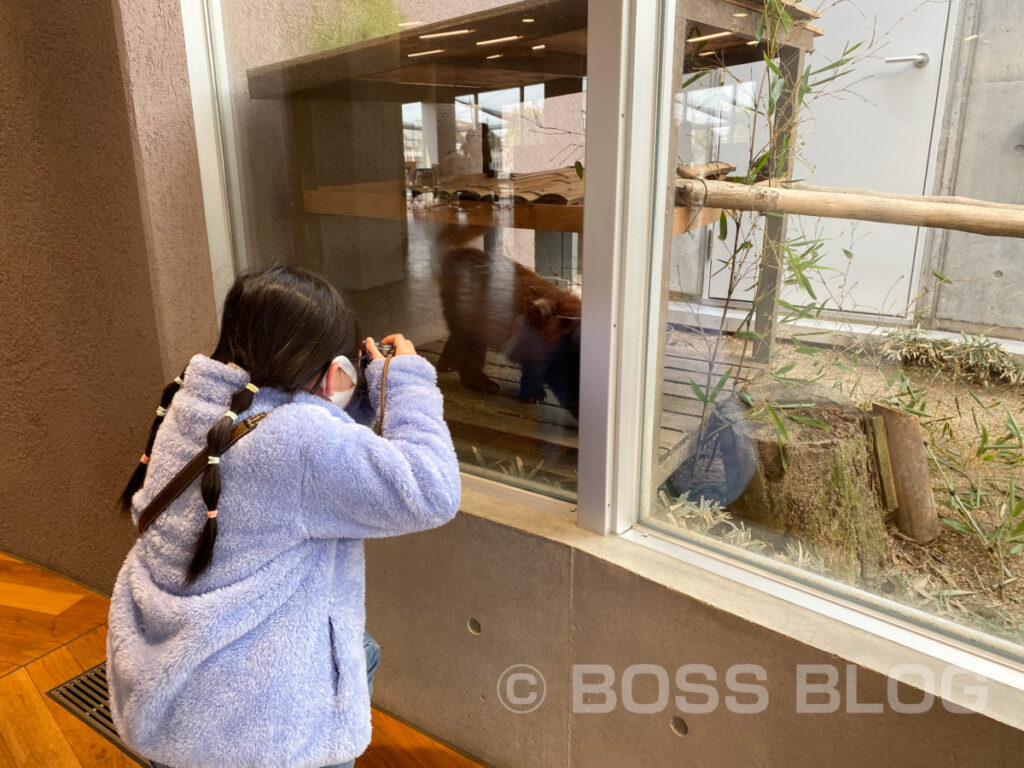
point(447, 361)
point(531, 382)
point(468, 355)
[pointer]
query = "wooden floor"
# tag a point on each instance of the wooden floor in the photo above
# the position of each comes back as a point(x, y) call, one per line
point(52, 630)
point(490, 428)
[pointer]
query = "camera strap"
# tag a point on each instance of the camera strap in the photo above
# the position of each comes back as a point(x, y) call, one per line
point(383, 390)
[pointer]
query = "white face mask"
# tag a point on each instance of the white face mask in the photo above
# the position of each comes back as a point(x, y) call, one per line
point(343, 398)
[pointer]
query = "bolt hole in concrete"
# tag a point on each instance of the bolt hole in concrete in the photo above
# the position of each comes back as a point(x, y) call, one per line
point(679, 726)
point(997, 274)
point(474, 626)
point(1019, 149)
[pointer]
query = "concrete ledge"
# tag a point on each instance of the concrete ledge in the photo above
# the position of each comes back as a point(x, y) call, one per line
point(824, 625)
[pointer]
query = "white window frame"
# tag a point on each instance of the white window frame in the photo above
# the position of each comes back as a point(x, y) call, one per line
point(640, 152)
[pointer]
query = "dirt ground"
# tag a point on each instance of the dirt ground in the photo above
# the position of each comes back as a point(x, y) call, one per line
point(957, 575)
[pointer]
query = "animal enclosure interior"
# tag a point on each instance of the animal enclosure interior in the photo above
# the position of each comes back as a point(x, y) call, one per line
point(440, 181)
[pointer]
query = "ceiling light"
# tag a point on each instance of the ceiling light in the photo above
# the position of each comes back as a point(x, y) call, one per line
point(707, 37)
point(495, 56)
point(446, 34)
point(527, 21)
point(753, 42)
point(707, 53)
point(426, 53)
point(740, 15)
point(499, 40)
point(539, 47)
point(405, 24)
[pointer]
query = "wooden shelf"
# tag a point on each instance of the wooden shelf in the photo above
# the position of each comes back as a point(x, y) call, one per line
point(402, 64)
point(386, 200)
point(431, 64)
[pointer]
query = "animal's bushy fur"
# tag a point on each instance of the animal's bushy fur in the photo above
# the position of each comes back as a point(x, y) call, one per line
point(493, 302)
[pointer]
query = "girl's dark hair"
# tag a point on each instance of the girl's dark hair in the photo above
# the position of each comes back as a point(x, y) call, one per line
point(283, 325)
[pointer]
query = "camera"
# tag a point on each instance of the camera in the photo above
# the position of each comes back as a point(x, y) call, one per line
point(364, 356)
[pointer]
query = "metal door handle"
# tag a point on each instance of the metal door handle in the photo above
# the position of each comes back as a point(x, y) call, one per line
point(920, 59)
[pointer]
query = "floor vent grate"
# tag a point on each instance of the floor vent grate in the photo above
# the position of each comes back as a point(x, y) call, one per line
point(88, 697)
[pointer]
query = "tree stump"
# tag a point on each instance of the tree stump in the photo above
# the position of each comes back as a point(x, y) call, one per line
point(824, 493)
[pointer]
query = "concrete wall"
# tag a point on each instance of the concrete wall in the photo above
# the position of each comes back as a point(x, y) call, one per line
point(983, 154)
point(549, 604)
point(105, 284)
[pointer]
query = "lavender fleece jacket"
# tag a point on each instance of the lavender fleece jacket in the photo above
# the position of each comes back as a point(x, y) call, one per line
point(260, 663)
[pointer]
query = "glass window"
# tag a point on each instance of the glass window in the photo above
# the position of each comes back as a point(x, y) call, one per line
point(837, 335)
point(429, 162)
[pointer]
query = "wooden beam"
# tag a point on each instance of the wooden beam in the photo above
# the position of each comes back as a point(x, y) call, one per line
point(977, 216)
point(718, 14)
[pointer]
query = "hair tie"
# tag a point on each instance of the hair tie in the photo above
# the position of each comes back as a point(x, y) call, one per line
point(213, 460)
point(144, 459)
point(161, 411)
point(179, 381)
point(211, 513)
point(230, 414)
point(252, 387)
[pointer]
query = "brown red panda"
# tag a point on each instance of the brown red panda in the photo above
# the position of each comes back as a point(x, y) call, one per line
point(491, 302)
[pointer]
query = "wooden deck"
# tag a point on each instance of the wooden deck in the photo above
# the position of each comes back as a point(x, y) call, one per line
point(52, 630)
point(500, 428)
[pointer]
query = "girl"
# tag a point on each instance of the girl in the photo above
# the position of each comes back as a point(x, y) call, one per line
point(236, 632)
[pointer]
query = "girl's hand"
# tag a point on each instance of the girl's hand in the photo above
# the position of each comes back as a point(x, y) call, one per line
point(371, 349)
point(401, 344)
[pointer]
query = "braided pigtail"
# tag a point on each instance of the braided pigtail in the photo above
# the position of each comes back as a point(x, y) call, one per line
point(217, 440)
point(138, 477)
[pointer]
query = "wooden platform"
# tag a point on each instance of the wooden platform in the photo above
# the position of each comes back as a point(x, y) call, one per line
point(386, 200)
point(52, 630)
point(499, 426)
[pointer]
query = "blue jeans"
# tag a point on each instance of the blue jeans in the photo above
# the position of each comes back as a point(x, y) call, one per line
point(372, 651)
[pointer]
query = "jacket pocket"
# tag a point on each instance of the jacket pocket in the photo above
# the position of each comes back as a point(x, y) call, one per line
point(335, 659)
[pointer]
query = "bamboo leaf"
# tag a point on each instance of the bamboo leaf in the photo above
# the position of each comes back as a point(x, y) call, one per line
point(956, 525)
point(718, 387)
point(753, 173)
point(779, 425)
point(579, 169)
point(696, 77)
point(775, 94)
point(723, 227)
point(748, 335)
point(698, 391)
point(810, 421)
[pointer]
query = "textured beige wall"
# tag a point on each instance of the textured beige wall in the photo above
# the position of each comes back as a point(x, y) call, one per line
point(155, 75)
point(80, 361)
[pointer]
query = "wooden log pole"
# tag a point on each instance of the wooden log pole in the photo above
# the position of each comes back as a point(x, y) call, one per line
point(944, 199)
point(915, 506)
point(978, 218)
point(780, 166)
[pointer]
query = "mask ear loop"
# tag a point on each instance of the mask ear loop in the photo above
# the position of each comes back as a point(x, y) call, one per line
point(320, 378)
